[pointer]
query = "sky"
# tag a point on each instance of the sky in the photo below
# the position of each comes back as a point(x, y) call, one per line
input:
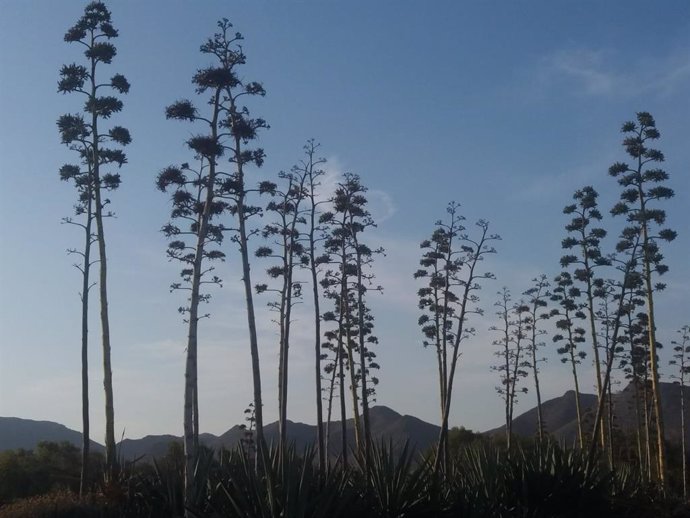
point(505, 107)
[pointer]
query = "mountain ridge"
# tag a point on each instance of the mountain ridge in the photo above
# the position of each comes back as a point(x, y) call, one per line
point(386, 424)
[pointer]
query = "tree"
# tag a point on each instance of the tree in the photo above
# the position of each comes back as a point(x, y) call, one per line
point(567, 296)
point(194, 231)
point(642, 185)
point(285, 233)
point(240, 129)
point(347, 284)
point(681, 359)
point(616, 306)
point(450, 266)
point(309, 168)
point(584, 240)
point(83, 211)
point(537, 296)
point(511, 366)
point(94, 31)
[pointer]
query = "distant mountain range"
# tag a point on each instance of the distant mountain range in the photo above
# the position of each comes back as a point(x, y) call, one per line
point(559, 417)
point(385, 424)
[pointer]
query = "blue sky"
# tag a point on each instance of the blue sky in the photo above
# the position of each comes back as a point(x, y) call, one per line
point(505, 107)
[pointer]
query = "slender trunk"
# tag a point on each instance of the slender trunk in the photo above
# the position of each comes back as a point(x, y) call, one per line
point(353, 383)
point(281, 367)
point(609, 404)
point(86, 286)
point(343, 416)
point(441, 378)
point(446, 315)
point(285, 306)
point(607, 380)
point(516, 367)
point(647, 437)
point(442, 451)
point(341, 373)
point(535, 373)
point(251, 317)
point(289, 265)
point(317, 338)
point(191, 392)
point(366, 432)
point(656, 395)
point(440, 346)
point(638, 418)
point(509, 381)
point(111, 466)
point(684, 458)
point(610, 355)
point(329, 409)
point(578, 411)
point(593, 333)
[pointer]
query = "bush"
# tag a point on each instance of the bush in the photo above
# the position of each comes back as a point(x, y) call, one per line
point(58, 504)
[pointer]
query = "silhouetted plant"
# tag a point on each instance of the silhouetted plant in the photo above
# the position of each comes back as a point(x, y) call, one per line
point(451, 265)
point(570, 334)
point(347, 284)
point(511, 366)
point(584, 240)
point(537, 296)
point(642, 186)
point(195, 231)
point(94, 30)
point(283, 234)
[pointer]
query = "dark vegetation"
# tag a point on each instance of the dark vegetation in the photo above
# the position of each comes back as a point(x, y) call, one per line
point(483, 480)
point(602, 302)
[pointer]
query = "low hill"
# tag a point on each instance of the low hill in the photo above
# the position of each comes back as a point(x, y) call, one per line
point(386, 424)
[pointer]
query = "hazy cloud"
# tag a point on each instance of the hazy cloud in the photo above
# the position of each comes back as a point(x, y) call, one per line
point(600, 72)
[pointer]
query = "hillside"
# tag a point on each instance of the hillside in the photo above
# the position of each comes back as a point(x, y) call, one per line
point(386, 424)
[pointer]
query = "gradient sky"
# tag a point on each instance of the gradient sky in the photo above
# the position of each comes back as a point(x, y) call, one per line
point(505, 107)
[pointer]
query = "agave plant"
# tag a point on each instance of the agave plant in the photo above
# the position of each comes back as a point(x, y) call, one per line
point(396, 485)
point(289, 487)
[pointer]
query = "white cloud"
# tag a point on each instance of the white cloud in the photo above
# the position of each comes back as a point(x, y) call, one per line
point(585, 66)
point(599, 72)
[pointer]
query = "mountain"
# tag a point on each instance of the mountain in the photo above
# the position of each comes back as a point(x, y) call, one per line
point(16, 433)
point(560, 416)
point(386, 424)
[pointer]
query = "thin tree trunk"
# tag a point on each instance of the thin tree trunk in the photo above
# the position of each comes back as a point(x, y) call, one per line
point(317, 340)
point(285, 306)
point(86, 286)
point(353, 387)
point(251, 317)
point(191, 392)
point(329, 409)
point(610, 355)
point(535, 372)
point(656, 395)
point(609, 404)
point(343, 416)
point(684, 458)
point(647, 435)
point(442, 451)
point(638, 419)
point(593, 334)
point(578, 411)
point(510, 382)
point(516, 367)
point(111, 466)
point(363, 362)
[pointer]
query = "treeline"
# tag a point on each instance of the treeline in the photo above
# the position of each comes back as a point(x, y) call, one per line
point(321, 240)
